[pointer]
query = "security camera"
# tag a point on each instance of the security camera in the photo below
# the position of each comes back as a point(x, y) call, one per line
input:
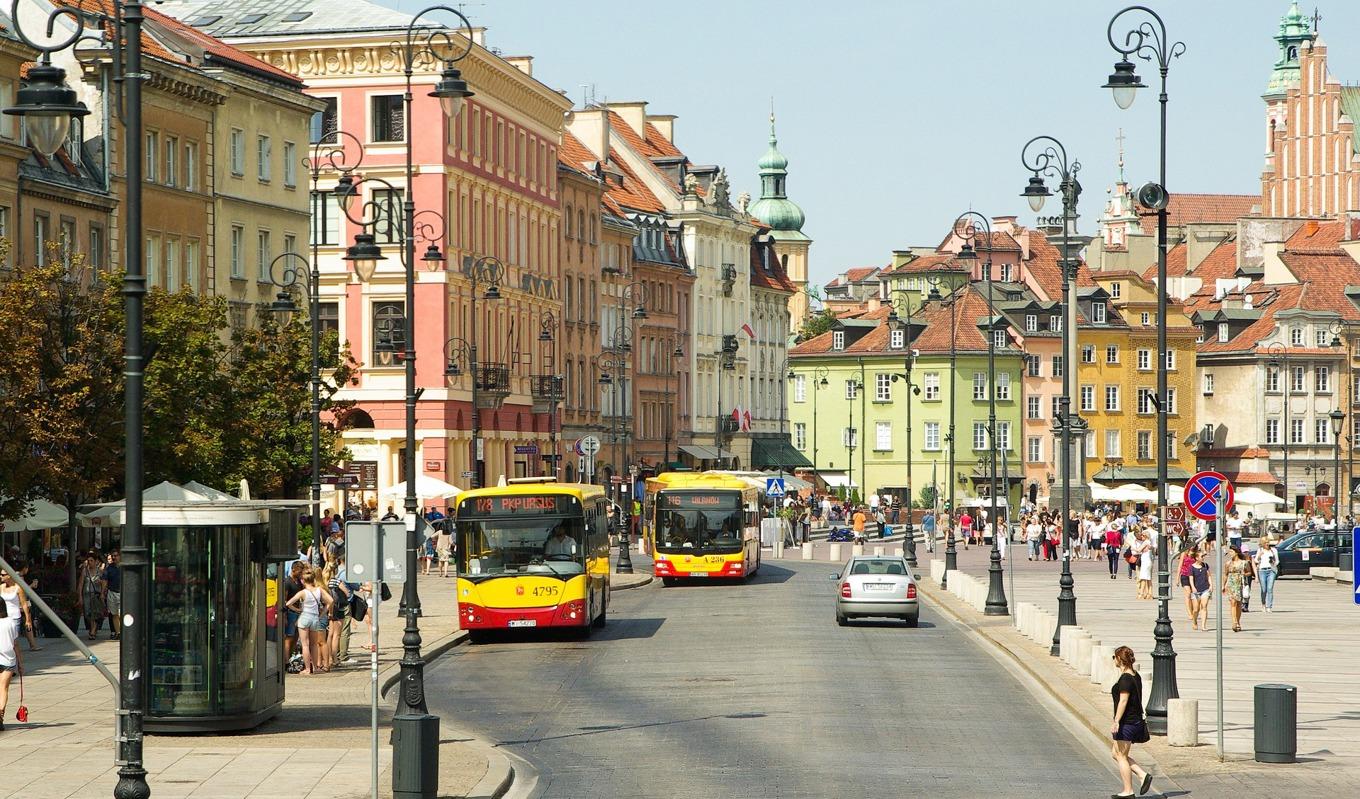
point(1152, 196)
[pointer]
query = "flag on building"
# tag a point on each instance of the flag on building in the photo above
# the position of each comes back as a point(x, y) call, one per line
point(746, 328)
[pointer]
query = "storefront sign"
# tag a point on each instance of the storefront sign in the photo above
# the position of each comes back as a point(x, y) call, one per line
point(433, 466)
point(526, 449)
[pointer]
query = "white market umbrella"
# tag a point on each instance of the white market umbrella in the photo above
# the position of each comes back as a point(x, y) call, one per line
point(1251, 495)
point(1100, 493)
point(42, 515)
point(169, 492)
point(1175, 495)
point(1132, 492)
point(209, 492)
point(427, 487)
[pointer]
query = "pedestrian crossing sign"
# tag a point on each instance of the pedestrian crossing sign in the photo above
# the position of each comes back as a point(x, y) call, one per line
point(774, 487)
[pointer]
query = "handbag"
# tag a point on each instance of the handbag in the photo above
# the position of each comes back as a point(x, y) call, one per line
point(358, 607)
point(385, 592)
point(22, 713)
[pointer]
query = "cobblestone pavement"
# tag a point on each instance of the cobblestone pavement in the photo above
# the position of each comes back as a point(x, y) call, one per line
point(752, 690)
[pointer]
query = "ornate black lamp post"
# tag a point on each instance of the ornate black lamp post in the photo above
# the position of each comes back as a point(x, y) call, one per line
point(415, 732)
point(548, 388)
point(48, 106)
point(901, 306)
point(951, 553)
point(1045, 155)
point(972, 226)
point(1148, 40)
point(677, 352)
point(1338, 418)
point(610, 362)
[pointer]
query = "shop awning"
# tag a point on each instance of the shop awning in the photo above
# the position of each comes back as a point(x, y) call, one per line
point(837, 479)
point(768, 453)
point(1138, 474)
point(700, 451)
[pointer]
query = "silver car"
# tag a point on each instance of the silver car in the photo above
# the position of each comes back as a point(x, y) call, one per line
point(876, 586)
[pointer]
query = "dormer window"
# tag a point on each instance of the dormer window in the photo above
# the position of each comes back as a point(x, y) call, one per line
point(999, 338)
point(1055, 324)
point(898, 339)
point(838, 339)
point(1223, 334)
point(1098, 313)
point(1031, 323)
point(1115, 291)
point(1296, 336)
point(1006, 273)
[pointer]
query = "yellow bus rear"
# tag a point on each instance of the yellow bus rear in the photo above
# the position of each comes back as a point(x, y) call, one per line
point(702, 526)
point(532, 555)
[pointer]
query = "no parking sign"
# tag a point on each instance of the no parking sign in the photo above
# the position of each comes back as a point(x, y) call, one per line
point(1201, 495)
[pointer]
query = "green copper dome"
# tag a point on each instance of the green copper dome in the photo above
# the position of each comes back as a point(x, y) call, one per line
point(1294, 34)
point(774, 208)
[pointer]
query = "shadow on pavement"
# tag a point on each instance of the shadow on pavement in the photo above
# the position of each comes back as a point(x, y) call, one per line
point(616, 629)
point(596, 730)
point(921, 625)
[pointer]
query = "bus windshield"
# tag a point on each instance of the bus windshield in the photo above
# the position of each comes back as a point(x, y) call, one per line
point(708, 521)
point(493, 541)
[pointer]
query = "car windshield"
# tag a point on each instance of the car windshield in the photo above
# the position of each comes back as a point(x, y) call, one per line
point(525, 545)
point(699, 521)
point(876, 566)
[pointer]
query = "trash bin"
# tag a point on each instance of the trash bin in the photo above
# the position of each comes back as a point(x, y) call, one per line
point(1276, 717)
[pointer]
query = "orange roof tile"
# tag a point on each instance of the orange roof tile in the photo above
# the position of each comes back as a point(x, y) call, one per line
point(940, 262)
point(572, 153)
point(150, 46)
point(858, 273)
point(1185, 208)
point(218, 50)
point(1317, 237)
point(1258, 478)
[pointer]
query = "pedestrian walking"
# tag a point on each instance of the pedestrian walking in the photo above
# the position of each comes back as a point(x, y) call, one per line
point(291, 585)
point(1187, 561)
point(1033, 533)
point(338, 627)
point(966, 526)
point(18, 612)
point(1114, 538)
point(1142, 549)
point(443, 550)
point(1201, 584)
point(1267, 568)
point(928, 524)
point(1234, 585)
point(1128, 727)
point(10, 661)
point(314, 607)
point(113, 593)
point(92, 594)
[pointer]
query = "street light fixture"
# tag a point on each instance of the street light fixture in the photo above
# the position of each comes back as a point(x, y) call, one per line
point(1338, 419)
point(615, 360)
point(1045, 155)
point(1148, 40)
point(901, 299)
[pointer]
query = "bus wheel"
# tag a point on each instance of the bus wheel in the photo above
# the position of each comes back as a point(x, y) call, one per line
point(604, 612)
point(668, 581)
point(477, 636)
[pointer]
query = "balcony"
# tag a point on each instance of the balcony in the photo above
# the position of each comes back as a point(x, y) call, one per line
point(547, 391)
point(493, 385)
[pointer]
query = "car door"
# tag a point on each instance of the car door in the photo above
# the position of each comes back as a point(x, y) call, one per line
point(1299, 554)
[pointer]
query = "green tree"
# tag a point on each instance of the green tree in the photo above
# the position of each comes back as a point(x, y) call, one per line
point(816, 324)
point(271, 436)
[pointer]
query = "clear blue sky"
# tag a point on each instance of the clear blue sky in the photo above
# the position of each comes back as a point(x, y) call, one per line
point(897, 115)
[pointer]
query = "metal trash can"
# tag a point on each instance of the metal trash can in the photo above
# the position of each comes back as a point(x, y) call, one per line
point(1276, 722)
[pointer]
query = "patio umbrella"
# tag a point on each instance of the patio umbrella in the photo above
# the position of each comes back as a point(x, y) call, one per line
point(42, 515)
point(427, 487)
point(1100, 493)
point(1132, 492)
point(1251, 495)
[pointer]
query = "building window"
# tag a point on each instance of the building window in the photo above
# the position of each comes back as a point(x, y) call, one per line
point(1031, 323)
point(264, 156)
point(66, 239)
point(799, 386)
point(1322, 379)
point(1003, 435)
point(849, 437)
point(1115, 291)
point(838, 339)
point(1034, 449)
point(289, 164)
point(898, 339)
point(1098, 313)
point(389, 331)
point(1170, 360)
point(264, 254)
point(1003, 386)
point(1032, 365)
point(932, 436)
point(171, 161)
point(882, 387)
point(1296, 336)
point(999, 339)
point(1146, 319)
point(979, 435)
point(1223, 333)
point(932, 385)
point(191, 264)
point(1112, 398)
point(1057, 366)
point(328, 317)
point(42, 234)
point(152, 155)
point(1088, 398)
point(800, 435)
point(1272, 431)
point(1323, 338)
point(1056, 408)
point(1033, 407)
point(1112, 448)
point(1297, 381)
point(883, 436)
point(851, 389)
point(191, 166)
point(1055, 324)
point(326, 215)
point(979, 385)
point(238, 243)
point(1144, 360)
point(1295, 431)
point(324, 127)
point(1006, 273)
point(151, 252)
point(1088, 353)
point(1144, 444)
point(1091, 445)
point(388, 119)
point(1272, 378)
point(1322, 433)
point(387, 215)
point(1171, 402)
point(1146, 401)
point(173, 278)
point(95, 255)
point(1112, 354)
point(237, 151)
point(1208, 383)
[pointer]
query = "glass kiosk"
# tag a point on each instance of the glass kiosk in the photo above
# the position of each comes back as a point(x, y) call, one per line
point(216, 642)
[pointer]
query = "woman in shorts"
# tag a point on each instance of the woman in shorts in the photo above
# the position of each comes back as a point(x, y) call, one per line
point(1128, 727)
point(1201, 585)
point(314, 605)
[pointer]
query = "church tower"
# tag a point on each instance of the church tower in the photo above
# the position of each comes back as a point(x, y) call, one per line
point(1294, 35)
point(785, 220)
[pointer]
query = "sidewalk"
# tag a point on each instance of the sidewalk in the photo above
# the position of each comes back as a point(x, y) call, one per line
point(1304, 643)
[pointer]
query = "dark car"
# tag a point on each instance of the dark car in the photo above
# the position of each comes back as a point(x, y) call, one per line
point(1304, 550)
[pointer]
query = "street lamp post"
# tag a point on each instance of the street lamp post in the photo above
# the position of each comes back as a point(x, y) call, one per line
point(415, 731)
point(1338, 419)
point(632, 305)
point(615, 361)
point(819, 382)
point(901, 298)
point(548, 387)
point(951, 554)
point(1148, 40)
point(677, 352)
point(1045, 155)
point(285, 272)
point(48, 105)
point(971, 226)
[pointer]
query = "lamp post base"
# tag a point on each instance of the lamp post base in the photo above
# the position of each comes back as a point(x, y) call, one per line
point(415, 756)
point(625, 563)
point(909, 544)
point(951, 559)
point(996, 588)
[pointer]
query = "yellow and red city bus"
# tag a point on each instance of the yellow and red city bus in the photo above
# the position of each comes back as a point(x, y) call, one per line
point(532, 554)
point(702, 525)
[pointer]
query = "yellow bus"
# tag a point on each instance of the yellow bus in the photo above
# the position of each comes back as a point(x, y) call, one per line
point(702, 525)
point(532, 554)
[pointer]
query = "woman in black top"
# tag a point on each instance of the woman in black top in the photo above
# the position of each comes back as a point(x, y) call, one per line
point(1128, 726)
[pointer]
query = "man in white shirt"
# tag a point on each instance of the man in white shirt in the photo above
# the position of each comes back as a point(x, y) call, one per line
point(559, 544)
point(1235, 526)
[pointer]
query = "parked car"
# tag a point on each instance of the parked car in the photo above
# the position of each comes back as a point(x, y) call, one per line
point(876, 586)
point(1303, 550)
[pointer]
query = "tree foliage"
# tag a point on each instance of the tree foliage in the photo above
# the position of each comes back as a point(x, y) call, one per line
point(816, 324)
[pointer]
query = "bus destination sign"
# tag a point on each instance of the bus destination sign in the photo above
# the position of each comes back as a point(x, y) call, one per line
point(675, 501)
point(544, 504)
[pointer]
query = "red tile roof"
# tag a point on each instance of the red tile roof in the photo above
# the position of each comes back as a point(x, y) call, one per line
point(1317, 237)
point(940, 262)
point(967, 307)
point(1258, 478)
point(218, 50)
point(775, 279)
point(1185, 208)
point(858, 273)
point(651, 145)
point(150, 46)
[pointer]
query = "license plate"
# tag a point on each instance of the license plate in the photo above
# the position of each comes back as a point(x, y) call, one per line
point(523, 622)
point(697, 574)
point(878, 586)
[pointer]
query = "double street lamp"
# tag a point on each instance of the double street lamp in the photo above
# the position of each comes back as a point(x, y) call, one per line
point(951, 553)
point(899, 306)
point(548, 387)
point(1045, 155)
point(1148, 40)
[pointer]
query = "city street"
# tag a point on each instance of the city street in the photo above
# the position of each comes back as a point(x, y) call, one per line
point(752, 690)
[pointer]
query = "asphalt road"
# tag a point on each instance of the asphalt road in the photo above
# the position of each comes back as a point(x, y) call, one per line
point(751, 690)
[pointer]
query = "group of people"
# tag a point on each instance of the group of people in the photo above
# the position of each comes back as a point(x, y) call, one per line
point(101, 593)
point(1240, 572)
point(322, 603)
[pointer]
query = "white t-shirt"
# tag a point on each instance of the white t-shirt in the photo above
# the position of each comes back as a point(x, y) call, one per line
point(1267, 558)
point(1033, 531)
point(8, 634)
point(873, 501)
point(1234, 527)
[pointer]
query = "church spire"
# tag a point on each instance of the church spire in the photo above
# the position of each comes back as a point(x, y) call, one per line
point(774, 208)
point(1294, 34)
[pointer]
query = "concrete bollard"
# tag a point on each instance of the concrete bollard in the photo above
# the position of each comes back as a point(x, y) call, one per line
point(936, 570)
point(1096, 665)
point(836, 553)
point(779, 549)
point(1082, 655)
point(1065, 642)
point(897, 552)
point(857, 549)
point(1043, 631)
point(1105, 655)
point(878, 551)
point(1070, 656)
point(1018, 619)
point(954, 581)
point(807, 551)
point(979, 595)
point(1182, 722)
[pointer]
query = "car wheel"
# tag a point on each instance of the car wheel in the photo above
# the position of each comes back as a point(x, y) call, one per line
point(912, 620)
point(841, 619)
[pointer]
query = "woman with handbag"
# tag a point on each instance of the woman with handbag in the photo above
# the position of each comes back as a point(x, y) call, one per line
point(1128, 727)
point(18, 613)
point(1234, 583)
point(11, 664)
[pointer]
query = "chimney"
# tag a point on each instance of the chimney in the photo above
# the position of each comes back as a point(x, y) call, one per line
point(591, 126)
point(664, 123)
point(1003, 224)
point(634, 113)
point(524, 63)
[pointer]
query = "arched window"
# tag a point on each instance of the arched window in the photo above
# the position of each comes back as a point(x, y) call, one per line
point(580, 224)
point(593, 228)
point(566, 220)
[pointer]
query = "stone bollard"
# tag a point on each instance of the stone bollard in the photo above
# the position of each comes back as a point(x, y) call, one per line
point(1082, 655)
point(779, 549)
point(979, 595)
point(897, 552)
point(936, 570)
point(1065, 642)
point(1096, 667)
point(878, 550)
point(1182, 722)
point(836, 553)
point(954, 581)
point(1105, 655)
point(807, 551)
point(1043, 630)
point(1018, 620)
point(857, 549)
point(1073, 647)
